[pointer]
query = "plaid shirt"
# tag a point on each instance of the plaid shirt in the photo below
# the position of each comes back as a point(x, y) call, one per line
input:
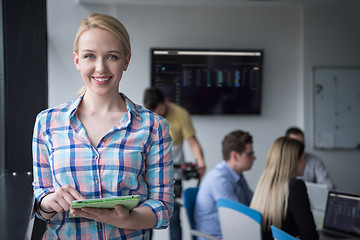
point(133, 158)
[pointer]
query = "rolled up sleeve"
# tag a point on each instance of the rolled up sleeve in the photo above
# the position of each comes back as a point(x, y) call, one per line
point(160, 176)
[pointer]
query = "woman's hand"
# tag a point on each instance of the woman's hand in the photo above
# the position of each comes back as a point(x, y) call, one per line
point(116, 217)
point(139, 218)
point(60, 200)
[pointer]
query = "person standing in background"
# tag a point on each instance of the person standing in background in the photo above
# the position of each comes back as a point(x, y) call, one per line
point(102, 145)
point(315, 170)
point(181, 128)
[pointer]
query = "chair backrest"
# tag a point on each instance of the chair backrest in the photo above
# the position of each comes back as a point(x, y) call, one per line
point(238, 220)
point(189, 199)
point(279, 234)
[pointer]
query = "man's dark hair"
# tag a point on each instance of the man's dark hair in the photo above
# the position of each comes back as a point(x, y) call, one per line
point(294, 130)
point(235, 141)
point(153, 97)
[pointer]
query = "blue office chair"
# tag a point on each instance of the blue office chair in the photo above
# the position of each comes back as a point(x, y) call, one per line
point(279, 234)
point(189, 200)
point(238, 221)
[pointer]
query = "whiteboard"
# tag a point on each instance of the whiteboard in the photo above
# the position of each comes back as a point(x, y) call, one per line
point(337, 107)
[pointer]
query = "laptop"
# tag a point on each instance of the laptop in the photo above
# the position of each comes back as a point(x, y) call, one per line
point(342, 217)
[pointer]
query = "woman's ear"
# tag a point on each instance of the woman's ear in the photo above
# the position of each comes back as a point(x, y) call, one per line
point(127, 61)
point(76, 60)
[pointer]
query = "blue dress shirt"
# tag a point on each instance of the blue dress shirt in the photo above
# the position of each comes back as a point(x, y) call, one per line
point(220, 182)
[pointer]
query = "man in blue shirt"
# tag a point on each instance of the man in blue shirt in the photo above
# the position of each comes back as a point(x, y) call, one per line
point(226, 180)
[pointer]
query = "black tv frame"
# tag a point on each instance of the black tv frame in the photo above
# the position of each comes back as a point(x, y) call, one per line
point(189, 81)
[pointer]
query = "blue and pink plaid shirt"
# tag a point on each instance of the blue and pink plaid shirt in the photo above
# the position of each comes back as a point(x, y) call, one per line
point(133, 158)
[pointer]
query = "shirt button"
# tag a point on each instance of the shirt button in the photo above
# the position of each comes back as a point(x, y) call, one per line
point(96, 180)
point(99, 227)
point(96, 157)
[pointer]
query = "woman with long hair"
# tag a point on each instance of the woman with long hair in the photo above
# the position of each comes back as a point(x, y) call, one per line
point(102, 145)
point(279, 196)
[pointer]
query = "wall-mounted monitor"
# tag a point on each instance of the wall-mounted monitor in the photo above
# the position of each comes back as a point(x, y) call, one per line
point(210, 82)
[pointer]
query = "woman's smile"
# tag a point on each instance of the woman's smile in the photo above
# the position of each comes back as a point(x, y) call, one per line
point(101, 80)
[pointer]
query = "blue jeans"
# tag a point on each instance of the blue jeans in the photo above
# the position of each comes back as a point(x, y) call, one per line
point(175, 227)
point(175, 224)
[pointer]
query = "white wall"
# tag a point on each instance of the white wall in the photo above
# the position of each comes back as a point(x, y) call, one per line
point(331, 38)
point(294, 39)
point(217, 27)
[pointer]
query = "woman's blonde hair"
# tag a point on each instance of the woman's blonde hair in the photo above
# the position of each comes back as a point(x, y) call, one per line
point(108, 23)
point(272, 192)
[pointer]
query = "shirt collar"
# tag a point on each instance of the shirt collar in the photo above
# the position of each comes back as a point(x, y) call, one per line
point(74, 106)
point(130, 106)
point(231, 172)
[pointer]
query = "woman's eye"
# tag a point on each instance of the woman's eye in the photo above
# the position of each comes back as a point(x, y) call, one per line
point(89, 56)
point(112, 57)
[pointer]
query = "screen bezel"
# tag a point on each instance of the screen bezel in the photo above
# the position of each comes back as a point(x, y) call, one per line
point(349, 195)
point(216, 50)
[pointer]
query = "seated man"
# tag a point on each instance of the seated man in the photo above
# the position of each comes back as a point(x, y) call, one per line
point(225, 180)
point(315, 170)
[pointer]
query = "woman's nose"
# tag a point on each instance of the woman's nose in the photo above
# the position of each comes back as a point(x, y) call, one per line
point(101, 65)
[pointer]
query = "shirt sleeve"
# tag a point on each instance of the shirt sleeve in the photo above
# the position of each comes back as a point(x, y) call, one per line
point(223, 188)
point(299, 206)
point(322, 175)
point(42, 183)
point(159, 176)
point(188, 129)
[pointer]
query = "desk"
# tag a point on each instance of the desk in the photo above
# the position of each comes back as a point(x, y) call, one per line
point(16, 204)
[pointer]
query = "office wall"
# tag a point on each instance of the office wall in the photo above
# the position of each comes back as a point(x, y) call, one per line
point(279, 30)
point(294, 39)
point(250, 26)
point(331, 38)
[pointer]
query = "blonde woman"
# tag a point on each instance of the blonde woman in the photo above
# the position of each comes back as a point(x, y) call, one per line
point(280, 197)
point(102, 145)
